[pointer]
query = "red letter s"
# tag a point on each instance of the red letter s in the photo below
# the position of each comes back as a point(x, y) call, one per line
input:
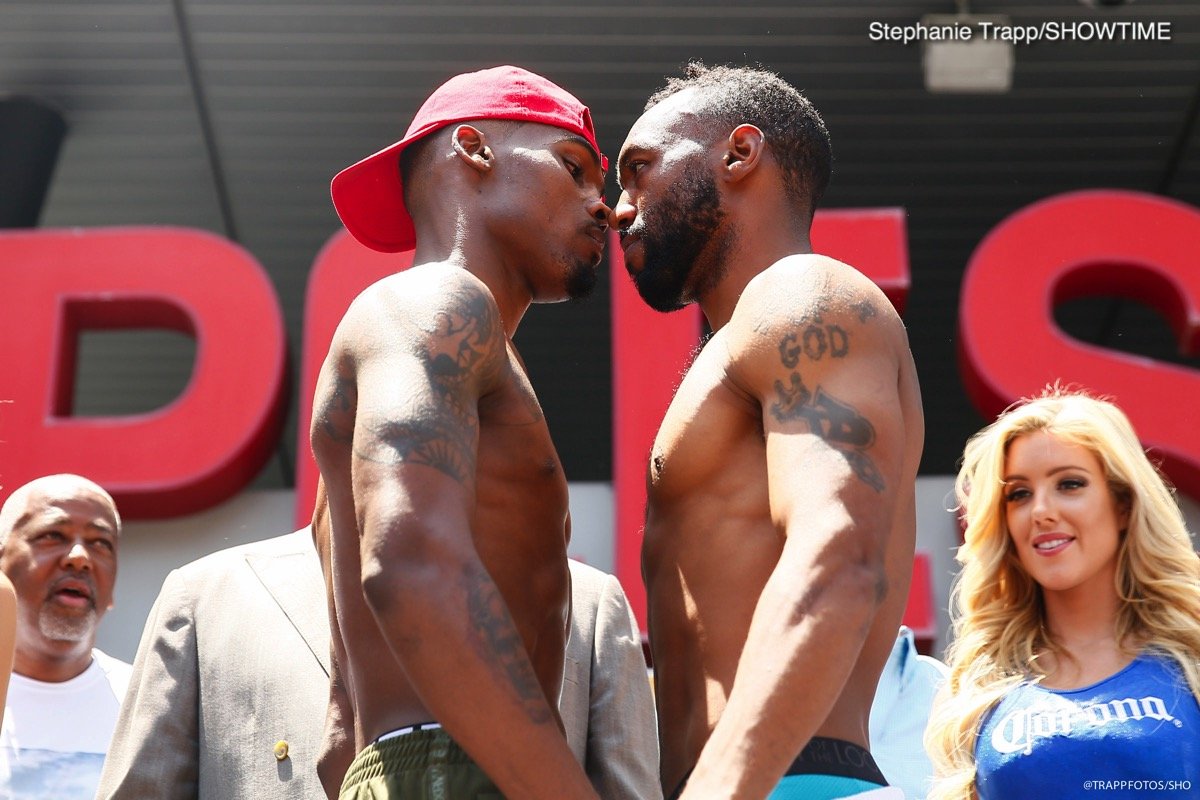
point(1074, 245)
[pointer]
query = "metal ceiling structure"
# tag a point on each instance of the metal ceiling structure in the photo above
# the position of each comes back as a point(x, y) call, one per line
point(233, 116)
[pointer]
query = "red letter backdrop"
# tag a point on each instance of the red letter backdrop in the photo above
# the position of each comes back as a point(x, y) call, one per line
point(191, 454)
point(1106, 243)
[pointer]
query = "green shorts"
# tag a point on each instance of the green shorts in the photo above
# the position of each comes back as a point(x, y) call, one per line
point(422, 765)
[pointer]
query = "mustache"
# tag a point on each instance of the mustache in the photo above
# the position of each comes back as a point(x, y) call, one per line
point(73, 582)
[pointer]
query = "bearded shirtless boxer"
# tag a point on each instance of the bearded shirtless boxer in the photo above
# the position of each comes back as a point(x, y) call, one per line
point(780, 527)
point(442, 522)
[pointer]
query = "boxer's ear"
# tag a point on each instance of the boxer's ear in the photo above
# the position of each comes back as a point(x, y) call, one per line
point(743, 150)
point(470, 144)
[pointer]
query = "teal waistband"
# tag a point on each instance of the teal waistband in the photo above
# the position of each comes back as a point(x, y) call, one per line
point(819, 787)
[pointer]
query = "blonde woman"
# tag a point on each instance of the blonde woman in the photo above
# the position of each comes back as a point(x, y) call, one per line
point(1075, 667)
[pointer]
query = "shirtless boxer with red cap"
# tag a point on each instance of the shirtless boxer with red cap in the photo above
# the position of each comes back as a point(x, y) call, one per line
point(442, 518)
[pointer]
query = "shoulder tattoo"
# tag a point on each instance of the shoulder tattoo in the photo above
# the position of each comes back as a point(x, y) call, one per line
point(463, 340)
point(463, 350)
point(336, 415)
point(864, 309)
point(838, 423)
point(813, 341)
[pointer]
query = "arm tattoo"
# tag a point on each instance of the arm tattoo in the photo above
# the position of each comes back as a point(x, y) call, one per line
point(839, 424)
point(865, 309)
point(462, 343)
point(432, 437)
point(336, 414)
point(814, 342)
point(459, 354)
point(495, 639)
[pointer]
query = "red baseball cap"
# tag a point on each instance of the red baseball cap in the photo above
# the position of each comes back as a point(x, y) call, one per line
point(368, 195)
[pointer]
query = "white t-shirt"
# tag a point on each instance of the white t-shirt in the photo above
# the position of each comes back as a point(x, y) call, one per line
point(55, 735)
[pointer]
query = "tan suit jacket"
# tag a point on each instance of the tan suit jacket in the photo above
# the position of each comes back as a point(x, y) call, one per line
point(234, 658)
point(606, 703)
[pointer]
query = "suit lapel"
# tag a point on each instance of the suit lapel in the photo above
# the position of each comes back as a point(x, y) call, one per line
point(294, 581)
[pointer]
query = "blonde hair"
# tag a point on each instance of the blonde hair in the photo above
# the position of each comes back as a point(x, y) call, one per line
point(997, 608)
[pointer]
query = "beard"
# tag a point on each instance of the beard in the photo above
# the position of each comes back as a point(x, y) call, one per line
point(674, 234)
point(59, 627)
point(581, 279)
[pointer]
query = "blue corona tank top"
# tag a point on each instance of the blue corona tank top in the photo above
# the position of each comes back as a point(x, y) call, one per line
point(1135, 734)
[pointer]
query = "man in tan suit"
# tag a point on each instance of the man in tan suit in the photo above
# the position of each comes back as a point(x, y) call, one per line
point(229, 686)
point(606, 705)
point(228, 693)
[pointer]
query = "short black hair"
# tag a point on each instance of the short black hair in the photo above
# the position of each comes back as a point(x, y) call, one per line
point(795, 131)
point(414, 158)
